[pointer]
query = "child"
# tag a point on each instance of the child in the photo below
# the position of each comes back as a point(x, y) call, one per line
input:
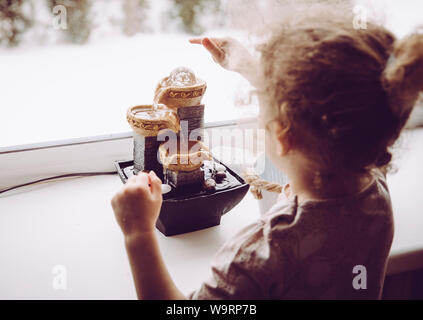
point(333, 101)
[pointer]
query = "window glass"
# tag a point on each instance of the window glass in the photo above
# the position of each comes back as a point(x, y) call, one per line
point(71, 68)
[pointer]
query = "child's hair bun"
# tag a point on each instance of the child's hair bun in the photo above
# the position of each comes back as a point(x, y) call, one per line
point(403, 76)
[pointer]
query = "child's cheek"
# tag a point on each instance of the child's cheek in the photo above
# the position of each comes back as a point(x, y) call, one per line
point(271, 146)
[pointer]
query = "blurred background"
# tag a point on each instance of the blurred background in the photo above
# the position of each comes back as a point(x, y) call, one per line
point(88, 20)
point(71, 68)
point(75, 74)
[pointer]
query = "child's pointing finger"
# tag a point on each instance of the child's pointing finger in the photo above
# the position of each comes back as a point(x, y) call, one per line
point(196, 40)
point(217, 53)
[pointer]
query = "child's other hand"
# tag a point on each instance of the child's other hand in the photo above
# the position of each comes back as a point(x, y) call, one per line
point(216, 46)
point(137, 205)
point(230, 54)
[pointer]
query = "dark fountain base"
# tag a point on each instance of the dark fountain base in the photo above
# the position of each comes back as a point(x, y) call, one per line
point(191, 208)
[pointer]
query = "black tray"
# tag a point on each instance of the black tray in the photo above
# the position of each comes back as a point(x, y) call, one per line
point(189, 209)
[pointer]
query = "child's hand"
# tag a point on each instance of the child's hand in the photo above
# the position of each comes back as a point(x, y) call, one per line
point(216, 46)
point(230, 54)
point(137, 205)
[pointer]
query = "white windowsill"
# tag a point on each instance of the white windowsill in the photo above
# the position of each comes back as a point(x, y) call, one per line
point(71, 223)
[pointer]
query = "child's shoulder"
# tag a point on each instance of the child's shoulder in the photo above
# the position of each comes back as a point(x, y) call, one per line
point(288, 214)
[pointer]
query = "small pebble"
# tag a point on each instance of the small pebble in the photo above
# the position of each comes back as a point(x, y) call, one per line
point(220, 167)
point(166, 188)
point(220, 175)
point(209, 184)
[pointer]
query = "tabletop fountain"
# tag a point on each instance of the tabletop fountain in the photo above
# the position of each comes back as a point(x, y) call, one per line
point(169, 139)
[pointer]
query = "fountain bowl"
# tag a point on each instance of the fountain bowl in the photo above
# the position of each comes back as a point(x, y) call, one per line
point(148, 121)
point(189, 160)
point(177, 96)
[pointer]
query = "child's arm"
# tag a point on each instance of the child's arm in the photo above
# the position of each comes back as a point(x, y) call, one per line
point(137, 207)
point(231, 55)
point(152, 280)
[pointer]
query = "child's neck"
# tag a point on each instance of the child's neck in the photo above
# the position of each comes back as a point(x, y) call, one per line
point(309, 184)
point(336, 187)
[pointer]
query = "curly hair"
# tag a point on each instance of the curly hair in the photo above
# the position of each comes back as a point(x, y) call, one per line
point(343, 95)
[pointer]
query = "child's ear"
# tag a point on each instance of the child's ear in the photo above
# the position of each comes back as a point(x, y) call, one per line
point(281, 134)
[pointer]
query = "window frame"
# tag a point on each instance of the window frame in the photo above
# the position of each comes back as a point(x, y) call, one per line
point(24, 163)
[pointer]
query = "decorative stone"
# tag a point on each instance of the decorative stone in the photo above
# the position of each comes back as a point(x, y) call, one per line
point(181, 77)
point(219, 167)
point(166, 188)
point(220, 176)
point(209, 184)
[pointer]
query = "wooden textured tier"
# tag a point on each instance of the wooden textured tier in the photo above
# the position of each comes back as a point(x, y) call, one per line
point(145, 154)
point(194, 117)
